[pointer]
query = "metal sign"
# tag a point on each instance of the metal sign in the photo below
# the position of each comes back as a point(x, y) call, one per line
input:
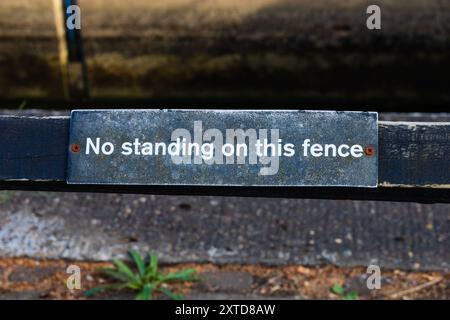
point(223, 148)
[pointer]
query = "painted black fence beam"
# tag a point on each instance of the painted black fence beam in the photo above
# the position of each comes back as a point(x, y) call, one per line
point(414, 164)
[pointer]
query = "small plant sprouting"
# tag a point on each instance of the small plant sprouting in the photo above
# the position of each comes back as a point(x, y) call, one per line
point(22, 105)
point(340, 291)
point(146, 281)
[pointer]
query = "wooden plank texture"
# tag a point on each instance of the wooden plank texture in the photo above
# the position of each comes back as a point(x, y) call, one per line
point(33, 148)
point(413, 164)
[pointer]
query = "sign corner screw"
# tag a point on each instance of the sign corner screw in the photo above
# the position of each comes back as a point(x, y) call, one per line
point(369, 151)
point(75, 147)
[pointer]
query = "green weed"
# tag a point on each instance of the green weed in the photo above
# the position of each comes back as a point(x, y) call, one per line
point(146, 281)
point(340, 291)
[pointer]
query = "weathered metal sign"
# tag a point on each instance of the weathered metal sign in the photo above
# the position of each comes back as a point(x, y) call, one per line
point(223, 148)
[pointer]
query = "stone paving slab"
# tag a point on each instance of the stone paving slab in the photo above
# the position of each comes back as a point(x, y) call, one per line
point(225, 230)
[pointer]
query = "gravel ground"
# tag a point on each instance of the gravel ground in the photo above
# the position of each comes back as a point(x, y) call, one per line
point(45, 279)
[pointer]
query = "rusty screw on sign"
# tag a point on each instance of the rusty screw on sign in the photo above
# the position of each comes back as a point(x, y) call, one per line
point(369, 151)
point(75, 147)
